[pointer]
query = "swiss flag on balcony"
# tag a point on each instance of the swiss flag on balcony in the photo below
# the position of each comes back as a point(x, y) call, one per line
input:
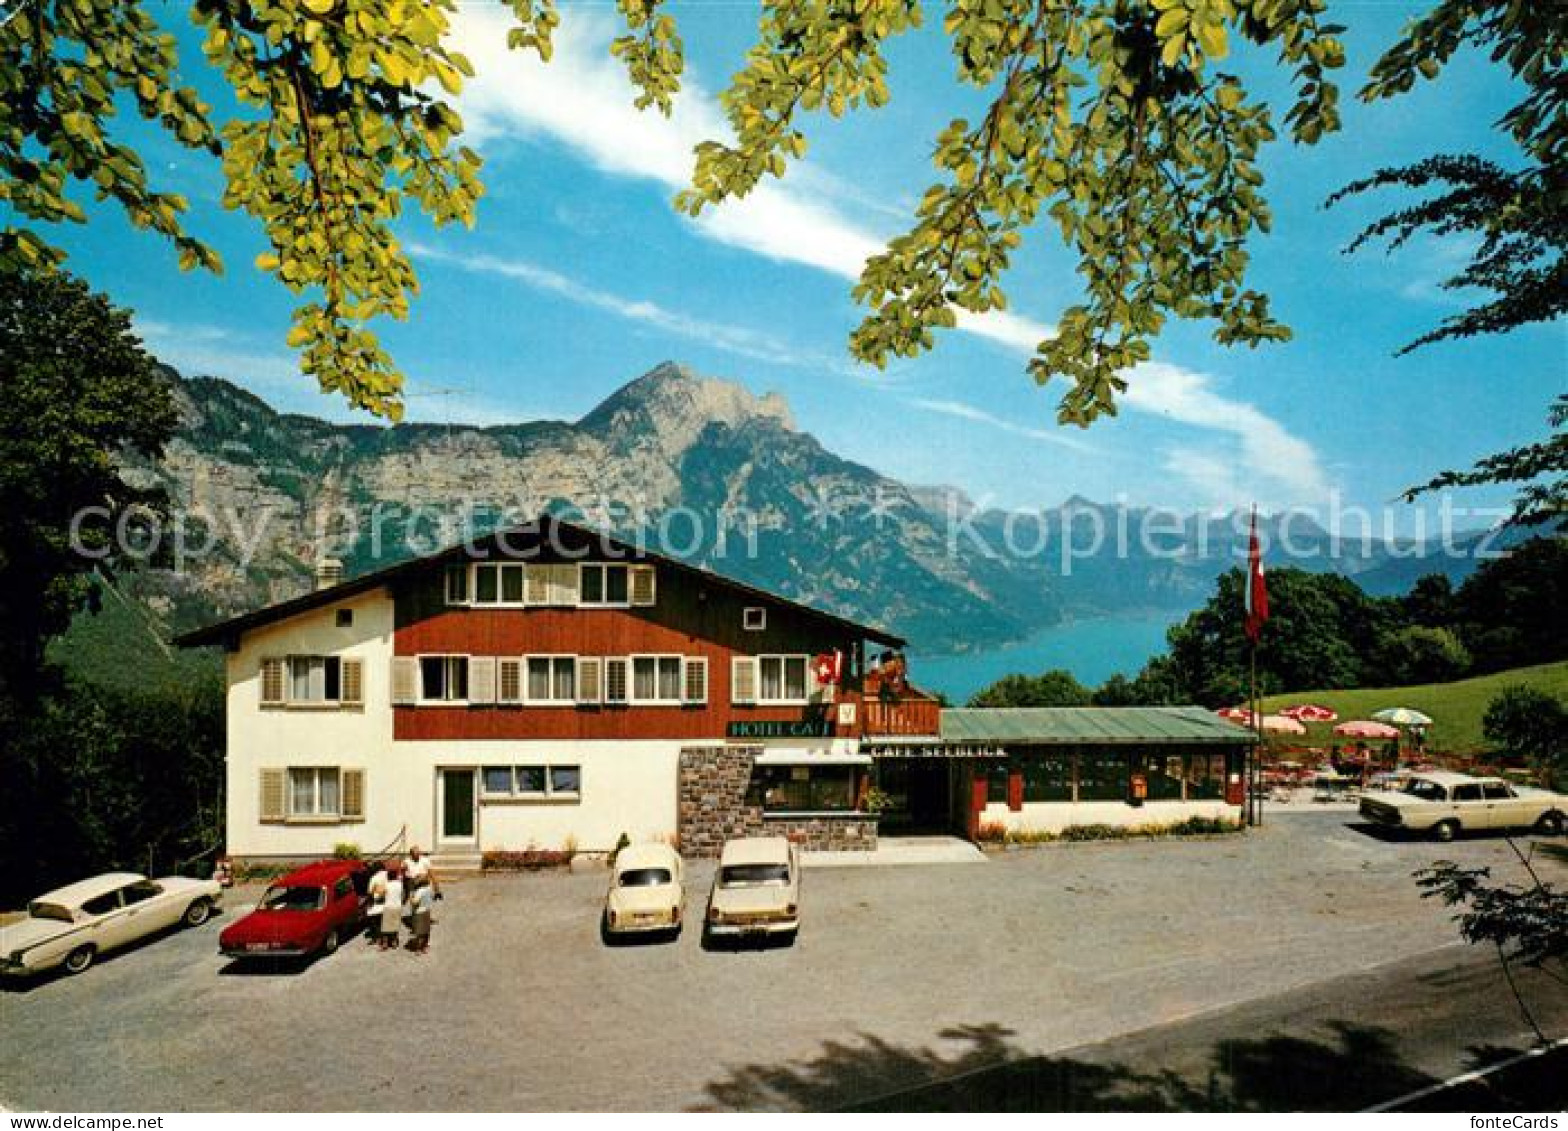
point(828, 668)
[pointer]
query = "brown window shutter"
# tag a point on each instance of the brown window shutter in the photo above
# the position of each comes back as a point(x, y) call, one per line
point(743, 679)
point(352, 794)
point(590, 679)
point(615, 673)
point(695, 681)
point(352, 687)
point(643, 585)
point(272, 682)
point(405, 680)
point(273, 783)
point(509, 679)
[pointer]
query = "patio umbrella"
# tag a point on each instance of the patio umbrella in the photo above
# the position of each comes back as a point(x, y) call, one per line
point(1402, 716)
point(1279, 724)
point(1366, 728)
point(1236, 715)
point(1311, 713)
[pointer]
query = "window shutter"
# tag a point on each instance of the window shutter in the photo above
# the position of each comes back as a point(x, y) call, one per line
point(405, 680)
point(509, 677)
point(615, 679)
point(565, 585)
point(457, 584)
point(481, 679)
point(695, 681)
point(272, 682)
point(643, 585)
point(743, 679)
point(590, 679)
point(272, 796)
point(352, 683)
point(536, 584)
point(351, 794)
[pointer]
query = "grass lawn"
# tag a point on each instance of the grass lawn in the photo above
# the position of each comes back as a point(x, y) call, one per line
point(1456, 708)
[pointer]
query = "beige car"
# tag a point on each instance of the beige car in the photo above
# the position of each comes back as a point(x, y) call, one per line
point(647, 892)
point(756, 891)
point(1446, 804)
point(73, 925)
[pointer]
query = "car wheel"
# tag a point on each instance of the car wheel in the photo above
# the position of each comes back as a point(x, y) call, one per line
point(1550, 824)
point(198, 912)
point(1445, 831)
point(329, 945)
point(79, 959)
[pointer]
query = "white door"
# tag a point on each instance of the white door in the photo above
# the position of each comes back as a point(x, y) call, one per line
point(457, 807)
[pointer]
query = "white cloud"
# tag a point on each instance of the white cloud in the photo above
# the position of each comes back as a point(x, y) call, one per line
point(582, 99)
point(965, 411)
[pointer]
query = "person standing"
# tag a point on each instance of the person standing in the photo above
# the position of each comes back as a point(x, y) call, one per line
point(376, 891)
point(417, 869)
point(423, 904)
point(392, 911)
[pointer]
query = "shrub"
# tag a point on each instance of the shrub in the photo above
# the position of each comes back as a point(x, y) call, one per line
point(528, 860)
point(1525, 720)
point(346, 850)
point(1190, 826)
point(991, 833)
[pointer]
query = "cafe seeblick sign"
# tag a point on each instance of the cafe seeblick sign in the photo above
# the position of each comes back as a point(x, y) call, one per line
point(796, 728)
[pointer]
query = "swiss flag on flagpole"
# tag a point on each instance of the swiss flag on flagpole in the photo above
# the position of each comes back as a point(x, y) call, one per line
point(1257, 588)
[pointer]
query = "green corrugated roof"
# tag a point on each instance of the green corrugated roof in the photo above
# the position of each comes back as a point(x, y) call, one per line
point(1089, 725)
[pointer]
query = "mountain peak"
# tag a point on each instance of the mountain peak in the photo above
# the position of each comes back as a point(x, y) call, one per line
point(674, 403)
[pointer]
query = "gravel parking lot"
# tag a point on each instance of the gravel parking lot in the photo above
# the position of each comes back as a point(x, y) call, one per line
point(519, 1006)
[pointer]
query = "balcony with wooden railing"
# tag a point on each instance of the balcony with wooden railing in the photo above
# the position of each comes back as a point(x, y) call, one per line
point(897, 709)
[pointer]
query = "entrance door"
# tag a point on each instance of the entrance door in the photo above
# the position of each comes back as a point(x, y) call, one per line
point(920, 793)
point(456, 796)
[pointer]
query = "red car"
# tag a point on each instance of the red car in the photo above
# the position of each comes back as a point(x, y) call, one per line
point(309, 911)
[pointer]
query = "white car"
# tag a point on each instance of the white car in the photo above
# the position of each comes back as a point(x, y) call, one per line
point(73, 925)
point(646, 892)
point(756, 891)
point(1446, 804)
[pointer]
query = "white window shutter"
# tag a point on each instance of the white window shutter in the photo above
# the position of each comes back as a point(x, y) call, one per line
point(481, 679)
point(509, 680)
point(615, 679)
point(351, 795)
point(351, 683)
point(272, 682)
point(743, 679)
point(405, 680)
point(590, 679)
point(457, 584)
point(536, 584)
point(565, 584)
point(694, 682)
point(643, 583)
point(273, 783)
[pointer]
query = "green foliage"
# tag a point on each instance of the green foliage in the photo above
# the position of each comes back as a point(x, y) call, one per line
point(995, 833)
point(1055, 688)
point(1529, 721)
point(1514, 610)
point(79, 392)
point(1541, 497)
point(345, 850)
point(1418, 654)
point(102, 779)
point(1113, 120)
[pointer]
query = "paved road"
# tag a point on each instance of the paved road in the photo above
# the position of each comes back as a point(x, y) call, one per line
point(900, 976)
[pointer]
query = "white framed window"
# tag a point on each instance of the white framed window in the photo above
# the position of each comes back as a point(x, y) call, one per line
point(537, 782)
point(497, 583)
point(604, 585)
point(783, 679)
point(656, 680)
point(754, 618)
point(549, 679)
point(315, 679)
point(311, 681)
point(315, 792)
point(457, 585)
point(443, 679)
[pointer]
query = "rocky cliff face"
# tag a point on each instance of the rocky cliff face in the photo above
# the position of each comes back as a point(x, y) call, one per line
point(701, 468)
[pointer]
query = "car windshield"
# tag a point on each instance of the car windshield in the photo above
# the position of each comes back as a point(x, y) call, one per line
point(644, 877)
point(50, 911)
point(1425, 790)
point(294, 899)
point(754, 875)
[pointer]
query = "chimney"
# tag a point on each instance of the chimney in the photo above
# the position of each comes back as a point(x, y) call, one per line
point(329, 571)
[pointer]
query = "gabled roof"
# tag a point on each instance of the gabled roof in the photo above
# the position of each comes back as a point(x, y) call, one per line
point(545, 527)
point(1090, 726)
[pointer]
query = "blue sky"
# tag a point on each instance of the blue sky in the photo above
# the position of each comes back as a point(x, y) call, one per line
point(579, 276)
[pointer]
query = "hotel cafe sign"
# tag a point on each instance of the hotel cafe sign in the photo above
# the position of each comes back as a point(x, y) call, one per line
point(793, 728)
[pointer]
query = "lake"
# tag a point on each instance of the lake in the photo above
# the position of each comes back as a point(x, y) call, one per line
point(1092, 650)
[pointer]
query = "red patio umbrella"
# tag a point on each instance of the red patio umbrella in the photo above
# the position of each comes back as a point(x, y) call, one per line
point(1311, 713)
point(1366, 728)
